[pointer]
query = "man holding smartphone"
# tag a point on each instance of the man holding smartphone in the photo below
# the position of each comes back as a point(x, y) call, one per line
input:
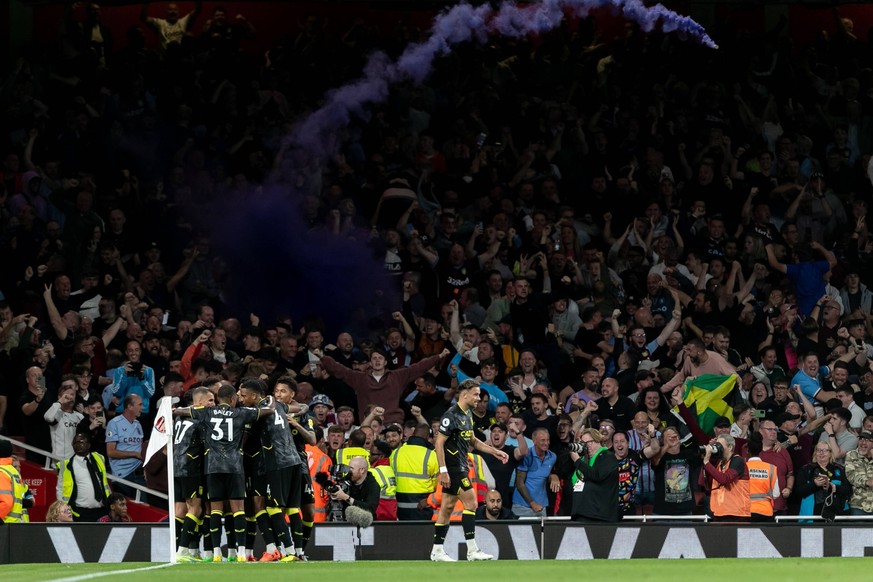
point(133, 378)
point(94, 424)
point(34, 404)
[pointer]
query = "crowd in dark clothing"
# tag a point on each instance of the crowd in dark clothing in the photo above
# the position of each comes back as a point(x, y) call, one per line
point(561, 210)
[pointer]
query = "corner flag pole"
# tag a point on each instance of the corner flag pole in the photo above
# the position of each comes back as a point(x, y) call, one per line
point(167, 412)
point(162, 436)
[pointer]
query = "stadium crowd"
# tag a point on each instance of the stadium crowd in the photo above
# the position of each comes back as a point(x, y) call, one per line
point(588, 227)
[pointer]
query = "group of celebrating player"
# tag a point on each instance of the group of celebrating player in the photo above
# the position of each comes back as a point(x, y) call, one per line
point(240, 463)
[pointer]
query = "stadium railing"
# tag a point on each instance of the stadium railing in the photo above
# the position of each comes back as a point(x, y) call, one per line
point(50, 461)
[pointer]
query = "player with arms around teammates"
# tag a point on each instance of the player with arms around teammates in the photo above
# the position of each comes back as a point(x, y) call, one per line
point(452, 444)
point(283, 469)
point(302, 428)
point(188, 453)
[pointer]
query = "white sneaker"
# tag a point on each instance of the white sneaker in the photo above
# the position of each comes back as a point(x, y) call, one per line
point(478, 556)
point(440, 555)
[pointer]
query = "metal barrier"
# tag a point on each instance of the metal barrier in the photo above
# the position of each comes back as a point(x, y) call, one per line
point(640, 518)
point(51, 459)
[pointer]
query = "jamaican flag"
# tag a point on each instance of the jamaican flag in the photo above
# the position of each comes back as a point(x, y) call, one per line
point(710, 396)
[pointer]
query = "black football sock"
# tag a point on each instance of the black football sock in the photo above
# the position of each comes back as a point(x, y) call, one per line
point(239, 528)
point(440, 532)
point(263, 519)
point(215, 522)
point(468, 522)
point(307, 533)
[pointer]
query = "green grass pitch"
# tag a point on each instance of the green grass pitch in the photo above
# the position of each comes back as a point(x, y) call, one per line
point(773, 570)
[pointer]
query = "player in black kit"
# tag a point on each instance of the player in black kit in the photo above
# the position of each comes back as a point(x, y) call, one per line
point(250, 393)
point(302, 428)
point(282, 468)
point(188, 453)
point(223, 427)
point(453, 442)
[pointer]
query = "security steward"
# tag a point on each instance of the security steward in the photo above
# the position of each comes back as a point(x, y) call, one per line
point(415, 470)
point(82, 481)
point(763, 481)
point(12, 488)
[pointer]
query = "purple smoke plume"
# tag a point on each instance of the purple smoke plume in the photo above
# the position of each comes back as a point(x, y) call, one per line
point(460, 24)
point(286, 268)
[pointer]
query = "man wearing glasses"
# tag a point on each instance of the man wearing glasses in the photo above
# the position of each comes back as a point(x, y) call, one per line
point(859, 471)
point(595, 480)
point(781, 460)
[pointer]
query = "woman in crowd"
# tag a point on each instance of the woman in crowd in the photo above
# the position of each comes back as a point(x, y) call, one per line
point(653, 404)
point(59, 512)
point(757, 395)
point(817, 480)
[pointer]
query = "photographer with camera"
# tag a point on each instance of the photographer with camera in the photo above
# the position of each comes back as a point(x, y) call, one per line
point(595, 479)
point(358, 493)
point(133, 378)
point(726, 480)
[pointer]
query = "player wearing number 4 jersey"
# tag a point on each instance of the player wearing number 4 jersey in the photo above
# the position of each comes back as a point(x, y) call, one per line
point(302, 428)
point(222, 428)
point(452, 444)
point(281, 466)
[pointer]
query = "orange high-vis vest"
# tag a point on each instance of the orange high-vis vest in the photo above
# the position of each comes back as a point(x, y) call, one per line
point(434, 500)
point(477, 477)
point(318, 463)
point(762, 480)
point(730, 500)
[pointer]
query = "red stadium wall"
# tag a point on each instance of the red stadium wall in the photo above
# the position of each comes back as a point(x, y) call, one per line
point(43, 483)
point(807, 22)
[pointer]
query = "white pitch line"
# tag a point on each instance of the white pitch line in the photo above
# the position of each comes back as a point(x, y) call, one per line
point(112, 573)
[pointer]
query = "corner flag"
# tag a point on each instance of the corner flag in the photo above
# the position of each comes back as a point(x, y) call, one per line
point(158, 438)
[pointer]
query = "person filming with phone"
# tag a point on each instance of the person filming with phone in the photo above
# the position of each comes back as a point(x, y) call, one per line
point(34, 402)
point(94, 424)
point(133, 378)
